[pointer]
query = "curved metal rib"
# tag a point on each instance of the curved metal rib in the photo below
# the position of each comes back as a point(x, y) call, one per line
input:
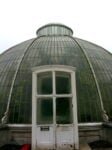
point(5, 117)
point(104, 115)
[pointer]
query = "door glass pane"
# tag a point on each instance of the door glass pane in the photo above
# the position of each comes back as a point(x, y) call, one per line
point(63, 111)
point(63, 83)
point(44, 111)
point(44, 83)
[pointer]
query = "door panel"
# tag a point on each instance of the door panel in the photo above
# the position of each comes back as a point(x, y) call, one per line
point(44, 111)
point(64, 121)
point(45, 137)
point(44, 83)
point(64, 111)
point(63, 83)
point(45, 129)
point(64, 135)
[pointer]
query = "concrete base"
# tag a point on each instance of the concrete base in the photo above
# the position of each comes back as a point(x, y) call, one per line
point(21, 134)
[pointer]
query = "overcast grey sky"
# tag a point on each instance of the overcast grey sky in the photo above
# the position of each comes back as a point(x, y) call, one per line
point(90, 19)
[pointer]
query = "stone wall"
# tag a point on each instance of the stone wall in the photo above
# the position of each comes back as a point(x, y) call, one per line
point(89, 133)
point(15, 134)
point(107, 132)
point(21, 134)
point(4, 135)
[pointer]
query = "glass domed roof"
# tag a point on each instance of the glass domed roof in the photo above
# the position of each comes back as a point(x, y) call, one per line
point(56, 45)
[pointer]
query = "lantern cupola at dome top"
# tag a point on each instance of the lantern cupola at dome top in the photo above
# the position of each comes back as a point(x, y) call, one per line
point(54, 29)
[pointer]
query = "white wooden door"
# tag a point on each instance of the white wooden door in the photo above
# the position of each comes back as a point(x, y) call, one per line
point(54, 108)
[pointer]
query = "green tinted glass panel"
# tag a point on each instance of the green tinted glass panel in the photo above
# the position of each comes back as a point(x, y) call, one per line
point(63, 83)
point(63, 111)
point(44, 83)
point(44, 111)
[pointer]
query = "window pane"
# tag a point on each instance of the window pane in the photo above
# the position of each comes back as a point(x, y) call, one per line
point(63, 83)
point(44, 83)
point(44, 111)
point(63, 110)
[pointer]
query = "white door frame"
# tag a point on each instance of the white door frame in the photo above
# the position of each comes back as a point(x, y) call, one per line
point(54, 68)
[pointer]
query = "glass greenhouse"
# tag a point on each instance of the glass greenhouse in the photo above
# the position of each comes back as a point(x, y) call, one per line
point(55, 46)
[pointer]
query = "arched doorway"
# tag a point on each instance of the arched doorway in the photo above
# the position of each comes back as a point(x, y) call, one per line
point(54, 108)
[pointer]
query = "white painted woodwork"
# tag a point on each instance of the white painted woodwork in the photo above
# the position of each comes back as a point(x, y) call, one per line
point(54, 136)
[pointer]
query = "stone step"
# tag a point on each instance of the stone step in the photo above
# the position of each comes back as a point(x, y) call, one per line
point(84, 146)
